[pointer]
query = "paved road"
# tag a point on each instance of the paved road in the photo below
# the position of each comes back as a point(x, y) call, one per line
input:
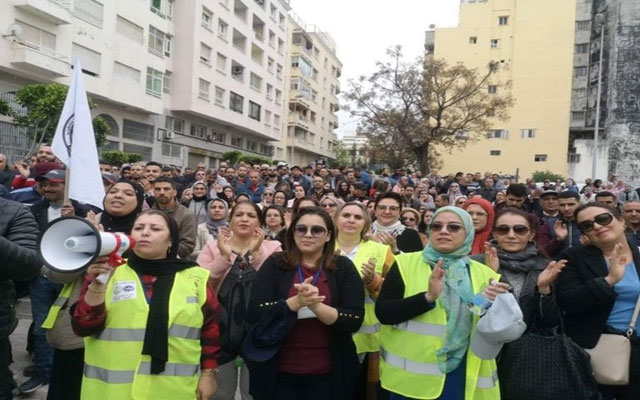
point(19, 343)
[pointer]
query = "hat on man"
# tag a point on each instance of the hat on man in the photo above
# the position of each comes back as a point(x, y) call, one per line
point(501, 324)
point(282, 164)
point(549, 193)
point(109, 178)
point(44, 167)
point(55, 175)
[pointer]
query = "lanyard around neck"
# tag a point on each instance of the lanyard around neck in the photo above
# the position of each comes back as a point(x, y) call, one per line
point(315, 277)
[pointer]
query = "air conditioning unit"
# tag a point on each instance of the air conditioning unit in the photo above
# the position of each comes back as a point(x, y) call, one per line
point(169, 135)
point(237, 70)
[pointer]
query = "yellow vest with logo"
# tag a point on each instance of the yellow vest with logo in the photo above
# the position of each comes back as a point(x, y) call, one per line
point(408, 362)
point(114, 365)
point(60, 302)
point(366, 338)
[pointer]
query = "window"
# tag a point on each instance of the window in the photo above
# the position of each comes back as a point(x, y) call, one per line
point(219, 96)
point(252, 146)
point(493, 89)
point(273, 11)
point(205, 53)
point(255, 81)
point(198, 131)
point(494, 152)
point(223, 28)
point(137, 131)
point(270, 63)
point(528, 133)
point(236, 141)
point(473, 40)
point(583, 25)
point(174, 124)
point(580, 71)
point(269, 91)
point(163, 8)
point(503, 20)
point(207, 18)
point(254, 111)
point(573, 158)
point(267, 117)
point(218, 136)
point(236, 102)
point(281, 20)
point(540, 158)
point(129, 30)
point(159, 42)
point(38, 39)
point(221, 63)
point(89, 11)
point(462, 135)
point(498, 134)
point(90, 59)
point(278, 71)
point(582, 48)
point(154, 82)
point(494, 43)
point(171, 150)
point(314, 96)
point(276, 122)
point(280, 46)
point(272, 39)
point(126, 72)
point(237, 71)
point(166, 82)
point(278, 96)
point(578, 116)
point(203, 91)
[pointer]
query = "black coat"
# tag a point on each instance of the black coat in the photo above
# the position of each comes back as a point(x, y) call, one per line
point(347, 295)
point(40, 212)
point(585, 298)
point(18, 256)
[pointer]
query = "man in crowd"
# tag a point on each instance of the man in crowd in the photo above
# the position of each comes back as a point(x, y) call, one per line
point(628, 194)
point(272, 177)
point(488, 191)
point(137, 173)
point(298, 177)
point(152, 171)
point(6, 175)
point(549, 207)
point(165, 192)
point(32, 194)
point(407, 197)
point(607, 198)
point(564, 232)
point(105, 166)
point(20, 262)
point(631, 214)
point(317, 191)
point(442, 200)
point(42, 291)
point(516, 196)
point(255, 188)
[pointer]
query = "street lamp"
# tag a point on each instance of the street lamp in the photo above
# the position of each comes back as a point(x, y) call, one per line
point(599, 20)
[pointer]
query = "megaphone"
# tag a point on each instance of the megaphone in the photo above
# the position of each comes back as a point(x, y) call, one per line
point(70, 244)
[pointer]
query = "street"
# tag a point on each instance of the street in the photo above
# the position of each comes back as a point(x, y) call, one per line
point(18, 343)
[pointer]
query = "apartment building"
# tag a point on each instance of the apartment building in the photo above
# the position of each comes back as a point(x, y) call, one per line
point(532, 43)
point(178, 82)
point(313, 70)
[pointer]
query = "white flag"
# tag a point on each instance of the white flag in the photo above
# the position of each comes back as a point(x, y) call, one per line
point(75, 145)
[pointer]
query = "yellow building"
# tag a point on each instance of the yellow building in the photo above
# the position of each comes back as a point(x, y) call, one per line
point(533, 42)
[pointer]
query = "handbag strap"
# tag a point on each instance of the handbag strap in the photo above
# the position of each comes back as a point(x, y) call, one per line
point(634, 319)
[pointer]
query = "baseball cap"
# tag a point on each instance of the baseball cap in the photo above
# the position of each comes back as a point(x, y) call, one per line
point(549, 192)
point(109, 178)
point(501, 324)
point(44, 167)
point(55, 175)
point(282, 164)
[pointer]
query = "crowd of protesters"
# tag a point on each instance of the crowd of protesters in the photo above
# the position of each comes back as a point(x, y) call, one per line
point(310, 282)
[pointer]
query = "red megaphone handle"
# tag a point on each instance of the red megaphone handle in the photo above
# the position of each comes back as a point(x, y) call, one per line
point(115, 260)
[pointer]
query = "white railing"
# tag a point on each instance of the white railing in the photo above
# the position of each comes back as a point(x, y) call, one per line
point(17, 44)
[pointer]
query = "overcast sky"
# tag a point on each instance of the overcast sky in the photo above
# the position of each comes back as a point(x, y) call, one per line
point(363, 29)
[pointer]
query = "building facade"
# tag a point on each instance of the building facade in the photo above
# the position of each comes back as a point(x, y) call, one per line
point(356, 145)
point(177, 96)
point(532, 44)
point(313, 71)
point(618, 147)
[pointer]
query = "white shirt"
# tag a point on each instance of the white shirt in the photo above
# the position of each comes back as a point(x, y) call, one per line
point(53, 212)
point(352, 254)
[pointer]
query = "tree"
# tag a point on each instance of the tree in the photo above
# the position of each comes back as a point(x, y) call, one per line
point(44, 104)
point(4, 108)
point(411, 109)
point(541, 176)
point(118, 158)
point(342, 155)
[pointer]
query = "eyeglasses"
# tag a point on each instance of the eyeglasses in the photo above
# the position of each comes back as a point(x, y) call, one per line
point(329, 205)
point(602, 220)
point(316, 230)
point(268, 194)
point(408, 219)
point(502, 230)
point(389, 208)
point(439, 226)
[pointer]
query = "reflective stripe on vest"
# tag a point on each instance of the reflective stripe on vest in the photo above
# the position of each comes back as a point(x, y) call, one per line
point(61, 301)
point(368, 299)
point(114, 376)
point(410, 366)
point(487, 382)
point(369, 329)
point(421, 328)
point(57, 305)
point(137, 335)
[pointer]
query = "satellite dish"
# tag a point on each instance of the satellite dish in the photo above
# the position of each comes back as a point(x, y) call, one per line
point(432, 26)
point(14, 30)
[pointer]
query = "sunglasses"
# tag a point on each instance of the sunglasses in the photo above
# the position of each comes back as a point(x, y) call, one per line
point(268, 194)
point(329, 205)
point(601, 219)
point(502, 230)
point(316, 230)
point(410, 219)
point(439, 226)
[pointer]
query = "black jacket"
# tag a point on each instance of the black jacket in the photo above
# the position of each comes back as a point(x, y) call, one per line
point(40, 212)
point(585, 298)
point(347, 295)
point(18, 256)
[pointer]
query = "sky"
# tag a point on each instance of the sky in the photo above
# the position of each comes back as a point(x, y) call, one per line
point(364, 29)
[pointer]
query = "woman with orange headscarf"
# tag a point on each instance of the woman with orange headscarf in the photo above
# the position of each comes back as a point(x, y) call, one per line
point(482, 214)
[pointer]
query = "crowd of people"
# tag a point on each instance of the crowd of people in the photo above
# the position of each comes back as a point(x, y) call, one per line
point(310, 282)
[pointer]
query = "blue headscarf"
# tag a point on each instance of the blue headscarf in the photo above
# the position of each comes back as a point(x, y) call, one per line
point(457, 293)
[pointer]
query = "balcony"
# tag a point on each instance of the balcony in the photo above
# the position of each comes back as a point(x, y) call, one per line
point(299, 98)
point(297, 120)
point(59, 12)
point(33, 58)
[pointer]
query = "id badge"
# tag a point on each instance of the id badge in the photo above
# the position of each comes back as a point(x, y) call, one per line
point(305, 313)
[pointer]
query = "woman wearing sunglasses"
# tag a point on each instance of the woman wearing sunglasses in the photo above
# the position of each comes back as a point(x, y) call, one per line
point(267, 198)
point(314, 300)
point(599, 288)
point(373, 260)
point(425, 308)
point(331, 204)
point(516, 258)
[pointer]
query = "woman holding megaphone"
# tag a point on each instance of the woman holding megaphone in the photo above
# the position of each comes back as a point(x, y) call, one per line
point(151, 331)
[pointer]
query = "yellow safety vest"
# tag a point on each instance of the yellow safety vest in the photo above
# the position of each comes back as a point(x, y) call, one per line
point(366, 338)
point(408, 362)
point(60, 302)
point(114, 365)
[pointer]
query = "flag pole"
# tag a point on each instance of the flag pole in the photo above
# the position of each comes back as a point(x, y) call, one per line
point(67, 180)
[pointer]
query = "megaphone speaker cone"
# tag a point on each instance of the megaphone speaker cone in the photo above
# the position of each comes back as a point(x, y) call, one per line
point(70, 244)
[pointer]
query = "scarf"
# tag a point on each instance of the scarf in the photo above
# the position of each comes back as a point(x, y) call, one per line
point(484, 234)
point(124, 224)
point(156, 335)
point(213, 225)
point(395, 228)
point(515, 267)
point(457, 293)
